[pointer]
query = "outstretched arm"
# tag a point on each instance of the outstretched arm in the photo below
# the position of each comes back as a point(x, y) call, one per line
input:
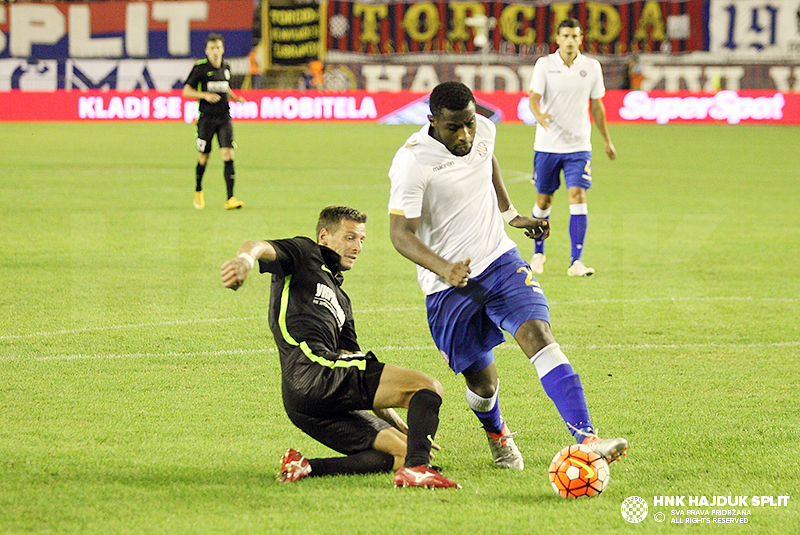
point(534, 228)
point(599, 116)
point(404, 238)
point(235, 271)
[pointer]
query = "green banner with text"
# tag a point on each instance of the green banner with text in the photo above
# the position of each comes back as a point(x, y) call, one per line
point(295, 34)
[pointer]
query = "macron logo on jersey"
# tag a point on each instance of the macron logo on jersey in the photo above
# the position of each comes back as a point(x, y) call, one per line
point(444, 166)
point(327, 298)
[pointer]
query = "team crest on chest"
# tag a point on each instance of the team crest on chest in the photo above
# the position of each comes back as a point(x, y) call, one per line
point(482, 150)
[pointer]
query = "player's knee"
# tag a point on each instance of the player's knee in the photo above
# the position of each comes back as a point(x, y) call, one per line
point(577, 195)
point(533, 335)
point(425, 382)
point(483, 390)
point(434, 385)
point(418, 380)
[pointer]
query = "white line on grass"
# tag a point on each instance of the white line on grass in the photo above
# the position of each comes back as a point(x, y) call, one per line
point(679, 299)
point(43, 334)
point(379, 349)
point(420, 308)
point(167, 354)
point(707, 345)
point(81, 330)
point(111, 356)
point(512, 176)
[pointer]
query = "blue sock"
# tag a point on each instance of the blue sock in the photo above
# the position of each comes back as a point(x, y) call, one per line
point(538, 213)
point(578, 222)
point(564, 387)
point(491, 421)
point(581, 436)
point(487, 410)
point(539, 244)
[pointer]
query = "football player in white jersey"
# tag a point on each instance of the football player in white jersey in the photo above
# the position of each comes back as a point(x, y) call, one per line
point(447, 206)
point(562, 87)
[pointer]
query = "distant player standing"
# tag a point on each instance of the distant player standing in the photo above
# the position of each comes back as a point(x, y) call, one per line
point(447, 206)
point(565, 82)
point(209, 83)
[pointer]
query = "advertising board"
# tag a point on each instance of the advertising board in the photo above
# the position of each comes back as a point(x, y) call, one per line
point(657, 107)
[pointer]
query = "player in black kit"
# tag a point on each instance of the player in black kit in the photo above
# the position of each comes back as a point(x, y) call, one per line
point(209, 83)
point(329, 384)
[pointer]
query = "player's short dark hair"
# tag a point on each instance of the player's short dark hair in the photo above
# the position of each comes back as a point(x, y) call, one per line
point(215, 37)
point(331, 216)
point(453, 96)
point(569, 23)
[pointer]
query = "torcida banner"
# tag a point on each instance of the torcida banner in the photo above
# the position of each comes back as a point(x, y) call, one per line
point(656, 107)
point(610, 27)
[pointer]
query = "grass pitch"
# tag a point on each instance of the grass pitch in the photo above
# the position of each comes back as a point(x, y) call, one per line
point(137, 396)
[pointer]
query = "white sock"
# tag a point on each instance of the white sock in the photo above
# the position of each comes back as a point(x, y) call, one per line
point(480, 404)
point(538, 213)
point(548, 358)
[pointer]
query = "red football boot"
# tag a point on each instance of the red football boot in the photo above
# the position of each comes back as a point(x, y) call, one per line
point(422, 476)
point(293, 466)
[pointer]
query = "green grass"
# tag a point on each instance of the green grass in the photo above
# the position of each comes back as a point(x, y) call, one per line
point(137, 396)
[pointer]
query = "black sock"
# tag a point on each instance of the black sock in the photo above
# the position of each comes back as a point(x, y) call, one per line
point(365, 462)
point(423, 421)
point(229, 177)
point(198, 173)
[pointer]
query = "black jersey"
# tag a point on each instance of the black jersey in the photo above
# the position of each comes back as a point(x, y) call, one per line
point(205, 77)
point(308, 308)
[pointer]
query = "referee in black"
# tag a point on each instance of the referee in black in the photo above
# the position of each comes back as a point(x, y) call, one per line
point(209, 83)
point(329, 385)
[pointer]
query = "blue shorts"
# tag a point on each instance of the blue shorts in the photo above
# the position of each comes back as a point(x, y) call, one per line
point(465, 322)
point(547, 168)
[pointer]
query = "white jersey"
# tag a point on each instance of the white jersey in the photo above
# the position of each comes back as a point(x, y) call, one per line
point(454, 199)
point(566, 92)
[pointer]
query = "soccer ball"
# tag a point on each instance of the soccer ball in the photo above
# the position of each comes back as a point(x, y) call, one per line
point(578, 471)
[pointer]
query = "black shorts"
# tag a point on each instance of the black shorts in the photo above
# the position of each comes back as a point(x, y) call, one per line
point(207, 126)
point(332, 405)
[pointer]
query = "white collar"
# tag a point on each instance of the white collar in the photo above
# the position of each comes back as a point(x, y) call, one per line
point(578, 58)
